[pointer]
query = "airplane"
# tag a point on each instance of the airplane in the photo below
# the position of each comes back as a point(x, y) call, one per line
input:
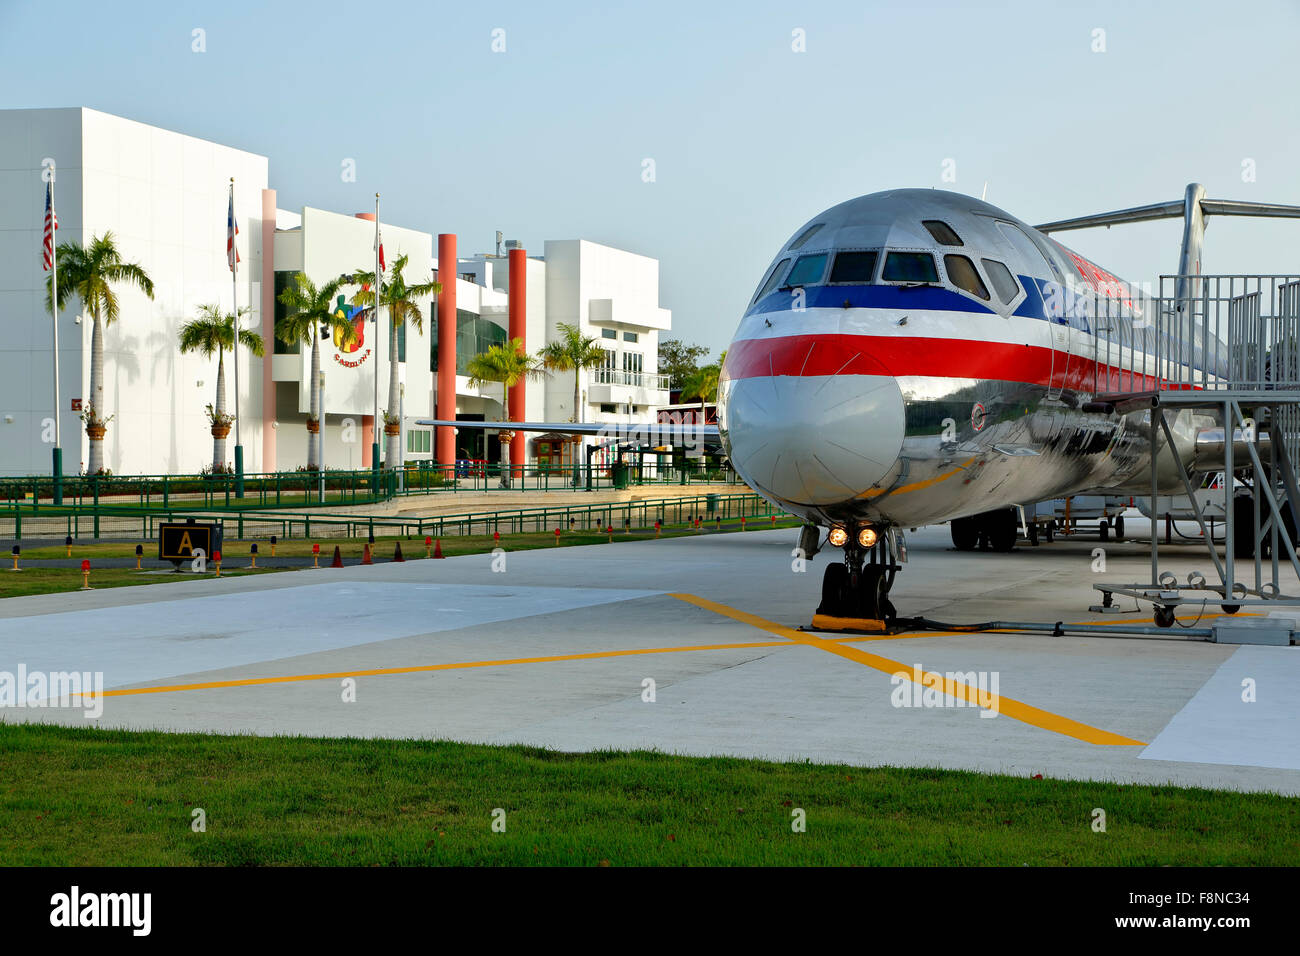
point(918, 356)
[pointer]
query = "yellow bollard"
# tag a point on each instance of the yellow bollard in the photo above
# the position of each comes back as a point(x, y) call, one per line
point(139, 553)
point(216, 557)
point(17, 551)
point(85, 575)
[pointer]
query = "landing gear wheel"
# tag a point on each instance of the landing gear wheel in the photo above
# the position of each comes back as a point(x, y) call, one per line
point(1243, 529)
point(835, 584)
point(1002, 529)
point(1164, 616)
point(965, 533)
point(1119, 528)
point(1033, 533)
point(1051, 531)
point(1103, 529)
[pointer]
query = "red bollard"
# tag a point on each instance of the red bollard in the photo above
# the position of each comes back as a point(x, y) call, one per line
point(315, 555)
point(428, 542)
point(338, 558)
point(437, 548)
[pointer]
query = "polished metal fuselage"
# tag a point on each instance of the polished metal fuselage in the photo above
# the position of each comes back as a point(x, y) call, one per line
point(914, 405)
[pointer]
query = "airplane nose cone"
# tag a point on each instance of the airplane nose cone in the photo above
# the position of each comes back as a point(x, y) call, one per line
point(815, 440)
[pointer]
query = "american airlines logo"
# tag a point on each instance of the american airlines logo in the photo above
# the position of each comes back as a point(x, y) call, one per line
point(76, 909)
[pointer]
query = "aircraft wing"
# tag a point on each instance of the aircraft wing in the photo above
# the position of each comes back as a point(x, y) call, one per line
point(688, 435)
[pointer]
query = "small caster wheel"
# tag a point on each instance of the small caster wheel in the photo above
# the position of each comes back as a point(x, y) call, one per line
point(1119, 528)
point(1164, 617)
point(1230, 608)
point(1104, 529)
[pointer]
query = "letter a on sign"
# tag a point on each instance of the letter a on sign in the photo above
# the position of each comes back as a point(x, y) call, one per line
point(185, 545)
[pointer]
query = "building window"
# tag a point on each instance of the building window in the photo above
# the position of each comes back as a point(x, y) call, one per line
point(418, 441)
point(609, 361)
point(629, 336)
point(282, 282)
point(632, 362)
point(474, 335)
point(608, 334)
point(608, 408)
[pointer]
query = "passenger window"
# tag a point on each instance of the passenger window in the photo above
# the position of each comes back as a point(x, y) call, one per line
point(942, 233)
point(807, 270)
point(804, 236)
point(856, 267)
point(910, 267)
point(777, 271)
point(1004, 283)
point(962, 274)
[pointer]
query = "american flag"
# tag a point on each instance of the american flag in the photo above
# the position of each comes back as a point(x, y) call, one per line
point(51, 225)
point(232, 230)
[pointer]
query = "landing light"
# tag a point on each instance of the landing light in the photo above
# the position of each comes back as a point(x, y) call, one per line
point(867, 537)
point(838, 537)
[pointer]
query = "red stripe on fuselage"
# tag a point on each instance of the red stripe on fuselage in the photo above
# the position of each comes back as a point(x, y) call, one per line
point(899, 356)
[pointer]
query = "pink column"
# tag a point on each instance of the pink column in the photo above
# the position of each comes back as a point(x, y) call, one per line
point(367, 438)
point(445, 444)
point(268, 329)
point(518, 329)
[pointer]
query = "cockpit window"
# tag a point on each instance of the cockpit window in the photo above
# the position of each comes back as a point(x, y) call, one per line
point(807, 270)
point(855, 267)
point(910, 267)
point(942, 232)
point(769, 284)
point(1004, 283)
point(804, 236)
point(963, 274)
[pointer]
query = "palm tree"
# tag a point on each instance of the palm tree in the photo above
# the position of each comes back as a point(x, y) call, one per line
point(703, 384)
point(574, 352)
point(308, 309)
point(400, 300)
point(213, 332)
point(90, 272)
point(508, 364)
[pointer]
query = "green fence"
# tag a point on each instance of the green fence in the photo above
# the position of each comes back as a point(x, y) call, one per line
point(134, 524)
point(315, 489)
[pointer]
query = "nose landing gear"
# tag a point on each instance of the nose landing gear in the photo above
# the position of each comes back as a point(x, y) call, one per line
point(855, 593)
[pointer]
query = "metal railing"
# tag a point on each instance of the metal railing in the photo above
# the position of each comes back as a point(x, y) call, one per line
point(614, 376)
point(117, 523)
point(1214, 332)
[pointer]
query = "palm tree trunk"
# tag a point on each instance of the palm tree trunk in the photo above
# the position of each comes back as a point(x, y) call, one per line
point(393, 443)
point(505, 446)
point(219, 444)
point(314, 441)
point(95, 462)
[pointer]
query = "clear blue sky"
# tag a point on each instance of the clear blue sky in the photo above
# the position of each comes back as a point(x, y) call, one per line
point(749, 138)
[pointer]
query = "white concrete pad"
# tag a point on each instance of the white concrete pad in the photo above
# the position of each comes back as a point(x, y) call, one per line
point(1221, 725)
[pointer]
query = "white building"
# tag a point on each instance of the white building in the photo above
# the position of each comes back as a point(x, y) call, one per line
point(163, 195)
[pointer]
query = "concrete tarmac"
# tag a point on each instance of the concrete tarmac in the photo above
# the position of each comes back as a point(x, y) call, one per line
point(687, 645)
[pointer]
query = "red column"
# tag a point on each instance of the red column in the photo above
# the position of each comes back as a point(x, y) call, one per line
point(367, 438)
point(445, 444)
point(518, 329)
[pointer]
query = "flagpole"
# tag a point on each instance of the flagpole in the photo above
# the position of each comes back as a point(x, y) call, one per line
point(234, 297)
point(54, 315)
point(374, 430)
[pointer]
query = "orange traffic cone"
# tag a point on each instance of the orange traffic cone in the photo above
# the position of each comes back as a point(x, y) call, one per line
point(397, 554)
point(365, 555)
point(437, 548)
point(338, 558)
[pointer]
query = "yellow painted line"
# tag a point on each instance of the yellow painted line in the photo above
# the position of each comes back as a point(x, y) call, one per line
point(918, 485)
point(423, 668)
point(1017, 710)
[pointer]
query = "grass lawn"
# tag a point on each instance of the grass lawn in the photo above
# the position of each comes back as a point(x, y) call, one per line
point(38, 579)
point(90, 798)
